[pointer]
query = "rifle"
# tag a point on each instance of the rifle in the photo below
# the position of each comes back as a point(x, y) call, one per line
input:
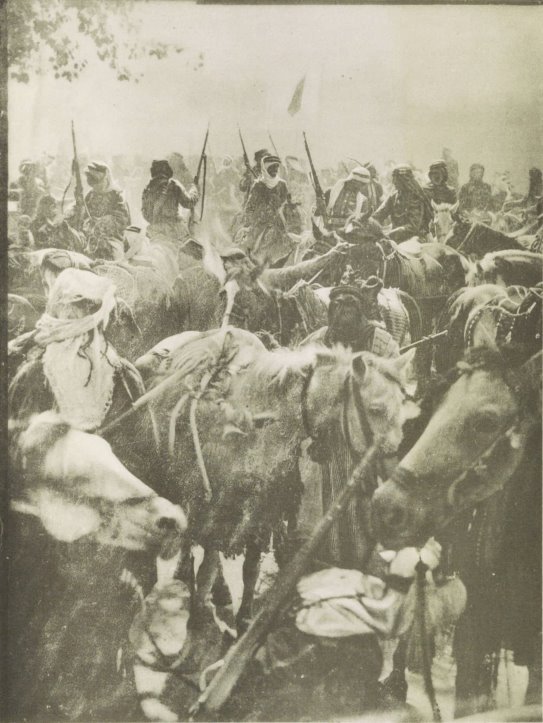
point(273, 145)
point(80, 205)
point(321, 203)
point(202, 163)
point(278, 597)
point(246, 157)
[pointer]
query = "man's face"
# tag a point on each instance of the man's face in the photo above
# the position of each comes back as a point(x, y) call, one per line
point(345, 316)
point(94, 179)
point(476, 174)
point(436, 176)
point(273, 170)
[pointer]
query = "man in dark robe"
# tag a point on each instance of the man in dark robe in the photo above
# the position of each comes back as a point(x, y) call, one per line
point(476, 195)
point(161, 200)
point(438, 189)
point(265, 220)
point(251, 174)
point(51, 232)
point(408, 208)
point(108, 214)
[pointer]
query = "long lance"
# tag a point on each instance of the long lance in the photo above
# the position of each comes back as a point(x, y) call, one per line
point(424, 340)
point(245, 156)
point(321, 203)
point(278, 597)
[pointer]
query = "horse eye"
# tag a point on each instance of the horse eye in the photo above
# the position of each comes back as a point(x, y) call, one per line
point(484, 422)
point(377, 409)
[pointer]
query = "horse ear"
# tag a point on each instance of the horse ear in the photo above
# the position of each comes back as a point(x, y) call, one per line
point(359, 365)
point(454, 208)
point(434, 204)
point(404, 361)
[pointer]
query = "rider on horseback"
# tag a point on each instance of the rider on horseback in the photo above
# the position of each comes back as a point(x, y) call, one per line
point(476, 195)
point(161, 199)
point(108, 214)
point(265, 216)
point(438, 190)
point(348, 198)
point(408, 207)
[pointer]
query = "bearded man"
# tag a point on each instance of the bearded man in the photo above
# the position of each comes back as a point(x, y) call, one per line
point(408, 208)
point(438, 189)
point(353, 318)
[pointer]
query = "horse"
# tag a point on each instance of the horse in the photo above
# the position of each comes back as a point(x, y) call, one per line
point(477, 239)
point(474, 476)
point(475, 316)
point(234, 464)
point(79, 521)
point(443, 219)
point(248, 301)
point(508, 268)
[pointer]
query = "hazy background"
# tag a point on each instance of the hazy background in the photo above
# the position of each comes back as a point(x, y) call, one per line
point(382, 83)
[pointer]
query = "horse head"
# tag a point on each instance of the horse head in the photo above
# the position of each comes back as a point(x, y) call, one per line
point(365, 392)
point(78, 488)
point(469, 450)
point(443, 219)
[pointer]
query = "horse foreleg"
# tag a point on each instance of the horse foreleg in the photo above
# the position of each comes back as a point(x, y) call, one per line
point(206, 576)
point(250, 572)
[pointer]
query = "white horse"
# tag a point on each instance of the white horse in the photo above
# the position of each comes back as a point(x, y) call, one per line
point(443, 219)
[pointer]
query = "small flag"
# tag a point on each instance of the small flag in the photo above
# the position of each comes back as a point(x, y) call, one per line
point(296, 102)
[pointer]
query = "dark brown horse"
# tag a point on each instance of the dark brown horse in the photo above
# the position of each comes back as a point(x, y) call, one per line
point(474, 476)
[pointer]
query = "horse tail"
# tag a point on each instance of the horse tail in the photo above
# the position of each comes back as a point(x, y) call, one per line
point(414, 314)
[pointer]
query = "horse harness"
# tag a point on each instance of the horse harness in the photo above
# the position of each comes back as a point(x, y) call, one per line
point(350, 391)
point(506, 319)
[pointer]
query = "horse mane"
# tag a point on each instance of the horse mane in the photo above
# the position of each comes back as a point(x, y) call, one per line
point(279, 366)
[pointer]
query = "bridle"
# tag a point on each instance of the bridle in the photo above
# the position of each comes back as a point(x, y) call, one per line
point(351, 391)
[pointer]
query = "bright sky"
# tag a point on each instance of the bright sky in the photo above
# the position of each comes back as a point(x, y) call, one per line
point(383, 82)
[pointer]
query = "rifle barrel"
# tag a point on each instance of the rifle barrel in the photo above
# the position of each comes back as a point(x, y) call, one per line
point(424, 340)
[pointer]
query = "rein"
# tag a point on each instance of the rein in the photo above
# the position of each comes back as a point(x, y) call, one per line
point(349, 390)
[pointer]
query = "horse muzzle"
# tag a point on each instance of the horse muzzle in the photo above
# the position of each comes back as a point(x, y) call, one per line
point(396, 521)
